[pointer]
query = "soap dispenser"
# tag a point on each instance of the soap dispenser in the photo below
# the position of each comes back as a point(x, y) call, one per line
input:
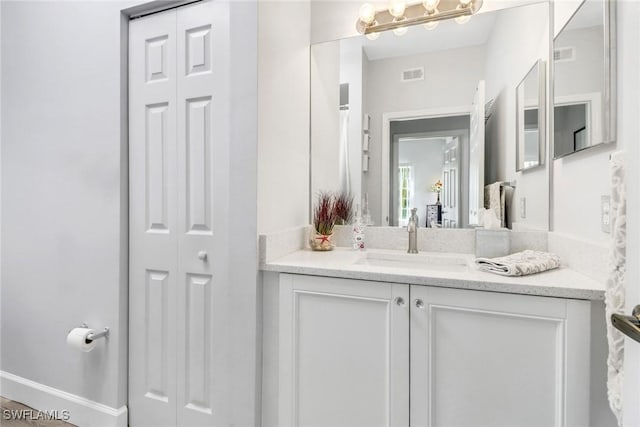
point(357, 228)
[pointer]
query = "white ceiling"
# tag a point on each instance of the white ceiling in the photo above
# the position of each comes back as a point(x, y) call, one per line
point(590, 14)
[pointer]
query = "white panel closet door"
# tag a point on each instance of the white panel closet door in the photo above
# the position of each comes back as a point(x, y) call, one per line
point(179, 142)
point(153, 233)
point(203, 140)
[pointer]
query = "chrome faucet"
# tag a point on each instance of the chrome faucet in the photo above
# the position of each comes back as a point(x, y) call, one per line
point(412, 228)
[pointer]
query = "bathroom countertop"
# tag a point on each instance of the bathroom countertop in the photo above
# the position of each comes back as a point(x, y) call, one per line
point(345, 263)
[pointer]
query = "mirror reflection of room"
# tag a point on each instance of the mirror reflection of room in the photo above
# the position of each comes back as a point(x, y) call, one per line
point(393, 116)
point(428, 158)
point(531, 118)
point(581, 91)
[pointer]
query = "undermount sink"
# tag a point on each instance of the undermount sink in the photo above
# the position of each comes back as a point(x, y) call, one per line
point(444, 262)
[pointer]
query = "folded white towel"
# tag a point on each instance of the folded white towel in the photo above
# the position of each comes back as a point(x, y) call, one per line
point(520, 263)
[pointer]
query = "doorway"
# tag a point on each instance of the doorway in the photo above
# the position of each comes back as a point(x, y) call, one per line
point(178, 188)
point(428, 166)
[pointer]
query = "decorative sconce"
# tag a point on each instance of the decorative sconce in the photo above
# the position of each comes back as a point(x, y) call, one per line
point(399, 16)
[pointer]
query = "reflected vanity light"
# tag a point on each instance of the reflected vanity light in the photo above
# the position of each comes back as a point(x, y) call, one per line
point(400, 16)
point(462, 19)
point(400, 31)
point(430, 25)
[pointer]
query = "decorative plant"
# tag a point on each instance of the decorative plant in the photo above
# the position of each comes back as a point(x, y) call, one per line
point(437, 187)
point(343, 207)
point(324, 214)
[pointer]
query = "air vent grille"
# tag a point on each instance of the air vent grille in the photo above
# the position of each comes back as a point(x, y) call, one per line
point(412, 74)
point(563, 54)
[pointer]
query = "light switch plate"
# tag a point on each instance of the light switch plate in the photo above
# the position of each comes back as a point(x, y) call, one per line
point(605, 214)
point(523, 207)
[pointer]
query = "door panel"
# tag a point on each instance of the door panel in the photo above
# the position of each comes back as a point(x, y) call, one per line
point(484, 358)
point(450, 189)
point(179, 167)
point(153, 221)
point(343, 352)
point(203, 383)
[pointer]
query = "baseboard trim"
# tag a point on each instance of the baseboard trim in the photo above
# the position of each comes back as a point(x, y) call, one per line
point(83, 412)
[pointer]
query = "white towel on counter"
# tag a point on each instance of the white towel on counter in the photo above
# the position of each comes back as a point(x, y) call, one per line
point(520, 263)
point(614, 290)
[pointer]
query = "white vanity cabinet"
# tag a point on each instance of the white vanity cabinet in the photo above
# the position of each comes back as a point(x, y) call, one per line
point(344, 352)
point(365, 353)
point(493, 359)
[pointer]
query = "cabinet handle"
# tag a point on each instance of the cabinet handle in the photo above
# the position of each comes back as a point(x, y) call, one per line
point(419, 303)
point(202, 255)
point(399, 301)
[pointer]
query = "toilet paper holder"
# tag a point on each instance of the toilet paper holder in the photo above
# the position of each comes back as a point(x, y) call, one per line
point(96, 335)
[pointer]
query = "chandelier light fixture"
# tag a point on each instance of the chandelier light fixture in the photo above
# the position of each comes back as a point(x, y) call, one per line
point(399, 16)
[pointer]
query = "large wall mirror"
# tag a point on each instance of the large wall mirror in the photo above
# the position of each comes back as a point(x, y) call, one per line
point(584, 79)
point(393, 117)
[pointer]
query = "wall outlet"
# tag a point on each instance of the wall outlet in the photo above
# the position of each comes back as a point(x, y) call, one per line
point(523, 207)
point(605, 214)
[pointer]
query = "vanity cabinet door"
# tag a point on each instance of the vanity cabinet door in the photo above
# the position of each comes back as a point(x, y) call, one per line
point(344, 352)
point(493, 359)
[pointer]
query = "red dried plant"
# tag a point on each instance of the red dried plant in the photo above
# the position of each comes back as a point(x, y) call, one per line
point(324, 214)
point(343, 206)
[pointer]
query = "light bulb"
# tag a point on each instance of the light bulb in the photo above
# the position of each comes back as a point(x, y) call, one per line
point(367, 13)
point(400, 31)
point(373, 36)
point(430, 25)
point(430, 5)
point(462, 19)
point(397, 7)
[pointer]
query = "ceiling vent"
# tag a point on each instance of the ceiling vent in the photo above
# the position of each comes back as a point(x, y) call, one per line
point(412, 75)
point(563, 54)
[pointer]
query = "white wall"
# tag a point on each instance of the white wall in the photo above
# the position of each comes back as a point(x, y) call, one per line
point(65, 190)
point(283, 119)
point(628, 131)
point(64, 206)
point(581, 179)
point(516, 43)
point(244, 321)
point(584, 74)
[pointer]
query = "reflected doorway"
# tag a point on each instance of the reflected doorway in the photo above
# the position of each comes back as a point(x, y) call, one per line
point(428, 161)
